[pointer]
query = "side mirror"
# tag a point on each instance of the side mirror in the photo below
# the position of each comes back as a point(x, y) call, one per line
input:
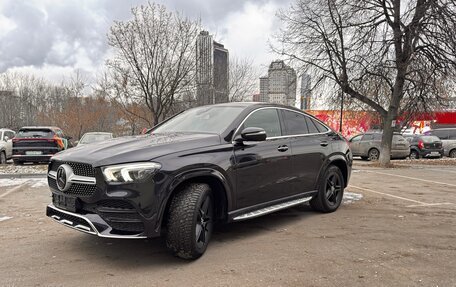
point(252, 134)
point(6, 138)
point(76, 142)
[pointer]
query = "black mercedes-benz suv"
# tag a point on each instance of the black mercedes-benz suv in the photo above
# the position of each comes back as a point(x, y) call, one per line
point(218, 163)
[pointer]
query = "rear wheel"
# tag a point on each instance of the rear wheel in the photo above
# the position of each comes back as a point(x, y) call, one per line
point(190, 221)
point(2, 157)
point(452, 153)
point(330, 191)
point(374, 154)
point(414, 154)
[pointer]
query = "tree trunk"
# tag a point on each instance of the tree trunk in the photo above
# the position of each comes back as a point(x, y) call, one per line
point(387, 138)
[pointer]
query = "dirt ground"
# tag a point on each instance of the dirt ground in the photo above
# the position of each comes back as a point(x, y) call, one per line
point(402, 232)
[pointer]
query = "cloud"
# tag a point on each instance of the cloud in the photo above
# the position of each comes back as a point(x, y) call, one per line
point(45, 36)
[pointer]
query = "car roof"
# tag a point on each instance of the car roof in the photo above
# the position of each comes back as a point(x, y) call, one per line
point(39, 127)
point(256, 104)
point(98, 133)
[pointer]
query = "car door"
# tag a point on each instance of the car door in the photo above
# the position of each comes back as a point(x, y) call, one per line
point(309, 146)
point(262, 168)
point(354, 145)
point(365, 144)
point(9, 144)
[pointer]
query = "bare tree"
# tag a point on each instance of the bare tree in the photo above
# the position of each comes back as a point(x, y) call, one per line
point(383, 53)
point(155, 58)
point(242, 79)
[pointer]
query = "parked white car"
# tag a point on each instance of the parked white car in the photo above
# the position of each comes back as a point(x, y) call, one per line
point(6, 145)
point(93, 137)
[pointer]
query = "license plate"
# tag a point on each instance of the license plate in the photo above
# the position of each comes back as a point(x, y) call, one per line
point(435, 153)
point(33, 152)
point(64, 202)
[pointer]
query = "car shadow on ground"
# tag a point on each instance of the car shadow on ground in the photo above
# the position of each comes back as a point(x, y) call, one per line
point(121, 253)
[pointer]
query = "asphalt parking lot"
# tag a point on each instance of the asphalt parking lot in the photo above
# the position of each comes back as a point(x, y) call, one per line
point(397, 227)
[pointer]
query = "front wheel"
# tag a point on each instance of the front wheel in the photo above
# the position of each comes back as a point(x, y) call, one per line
point(330, 191)
point(414, 154)
point(2, 157)
point(190, 221)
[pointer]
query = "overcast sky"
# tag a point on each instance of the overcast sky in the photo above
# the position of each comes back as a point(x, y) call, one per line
point(52, 38)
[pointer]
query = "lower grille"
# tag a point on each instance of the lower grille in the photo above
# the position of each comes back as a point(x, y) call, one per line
point(83, 190)
point(120, 215)
point(70, 220)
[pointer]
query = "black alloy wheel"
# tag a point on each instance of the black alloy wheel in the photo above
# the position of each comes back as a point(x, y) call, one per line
point(453, 153)
point(333, 188)
point(203, 223)
point(190, 221)
point(330, 191)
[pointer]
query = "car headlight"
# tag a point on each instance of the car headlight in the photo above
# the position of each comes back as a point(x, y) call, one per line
point(130, 172)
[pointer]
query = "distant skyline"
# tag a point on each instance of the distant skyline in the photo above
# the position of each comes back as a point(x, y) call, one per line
point(54, 38)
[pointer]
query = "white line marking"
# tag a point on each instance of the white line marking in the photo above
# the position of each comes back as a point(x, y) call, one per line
point(430, 204)
point(387, 194)
point(414, 178)
point(3, 218)
point(13, 189)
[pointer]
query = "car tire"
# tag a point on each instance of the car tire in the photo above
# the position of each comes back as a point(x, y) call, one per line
point(190, 221)
point(2, 157)
point(330, 191)
point(452, 153)
point(374, 154)
point(414, 154)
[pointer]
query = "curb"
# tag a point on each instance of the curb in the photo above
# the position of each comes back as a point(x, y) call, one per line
point(22, 175)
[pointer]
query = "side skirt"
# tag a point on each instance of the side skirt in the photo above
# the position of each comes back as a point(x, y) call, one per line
point(270, 207)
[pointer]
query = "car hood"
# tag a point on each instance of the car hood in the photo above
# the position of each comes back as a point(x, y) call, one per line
point(136, 148)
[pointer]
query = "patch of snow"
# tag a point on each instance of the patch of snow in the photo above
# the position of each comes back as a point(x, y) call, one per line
point(3, 218)
point(350, 197)
point(33, 182)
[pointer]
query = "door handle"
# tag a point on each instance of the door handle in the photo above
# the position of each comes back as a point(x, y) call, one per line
point(324, 143)
point(282, 148)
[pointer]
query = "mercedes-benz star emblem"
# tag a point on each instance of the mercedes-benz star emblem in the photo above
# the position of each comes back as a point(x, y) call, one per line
point(64, 172)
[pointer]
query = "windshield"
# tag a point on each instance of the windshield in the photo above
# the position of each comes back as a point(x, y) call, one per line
point(35, 133)
point(90, 138)
point(209, 119)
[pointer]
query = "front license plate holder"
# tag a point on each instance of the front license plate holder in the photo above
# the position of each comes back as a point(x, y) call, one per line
point(64, 202)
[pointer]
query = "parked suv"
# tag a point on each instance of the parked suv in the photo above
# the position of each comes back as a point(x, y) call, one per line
point(6, 145)
point(425, 146)
point(367, 146)
point(448, 138)
point(219, 163)
point(38, 144)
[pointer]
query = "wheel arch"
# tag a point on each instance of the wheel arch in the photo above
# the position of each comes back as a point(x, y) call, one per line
point(341, 162)
point(215, 179)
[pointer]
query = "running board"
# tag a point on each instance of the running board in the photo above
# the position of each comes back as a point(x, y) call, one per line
point(272, 208)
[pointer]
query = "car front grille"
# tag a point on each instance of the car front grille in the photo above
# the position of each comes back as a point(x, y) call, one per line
point(76, 189)
point(82, 169)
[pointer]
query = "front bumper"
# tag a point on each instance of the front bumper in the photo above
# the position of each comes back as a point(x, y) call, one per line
point(88, 223)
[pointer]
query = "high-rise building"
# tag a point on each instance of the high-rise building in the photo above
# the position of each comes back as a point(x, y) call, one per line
point(212, 71)
point(264, 82)
point(305, 92)
point(279, 86)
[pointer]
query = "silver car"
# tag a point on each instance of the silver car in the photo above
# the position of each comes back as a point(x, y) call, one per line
point(93, 137)
point(448, 138)
point(6, 145)
point(367, 146)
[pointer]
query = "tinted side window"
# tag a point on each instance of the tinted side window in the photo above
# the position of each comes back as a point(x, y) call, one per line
point(442, 134)
point(356, 138)
point(295, 123)
point(321, 128)
point(368, 137)
point(10, 135)
point(267, 119)
point(452, 135)
point(312, 128)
